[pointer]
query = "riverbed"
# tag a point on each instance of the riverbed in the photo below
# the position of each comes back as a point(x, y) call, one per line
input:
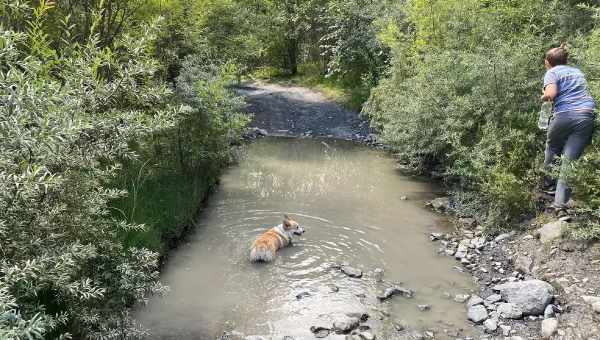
point(357, 209)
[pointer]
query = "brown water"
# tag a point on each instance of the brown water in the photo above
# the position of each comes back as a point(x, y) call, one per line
point(349, 200)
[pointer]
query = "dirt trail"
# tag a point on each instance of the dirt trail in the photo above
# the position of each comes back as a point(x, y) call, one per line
point(298, 111)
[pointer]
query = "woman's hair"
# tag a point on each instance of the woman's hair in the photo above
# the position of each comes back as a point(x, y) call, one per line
point(558, 55)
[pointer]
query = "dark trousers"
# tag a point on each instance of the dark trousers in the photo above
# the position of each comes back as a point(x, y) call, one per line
point(568, 134)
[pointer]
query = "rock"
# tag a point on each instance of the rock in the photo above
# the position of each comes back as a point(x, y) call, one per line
point(352, 272)
point(509, 311)
point(362, 317)
point(493, 298)
point(435, 236)
point(440, 204)
point(366, 335)
point(462, 250)
point(478, 243)
point(549, 328)
point(549, 312)
point(477, 314)
point(424, 308)
point(302, 295)
point(505, 330)
point(590, 299)
point(287, 337)
point(474, 301)
point(490, 325)
point(467, 222)
point(400, 326)
point(395, 290)
point(596, 307)
point(378, 274)
point(345, 325)
point(320, 332)
point(333, 288)
point(551, 231)
point(530, 296)
point(504, 236)
point(461, 298)
point(524, 264)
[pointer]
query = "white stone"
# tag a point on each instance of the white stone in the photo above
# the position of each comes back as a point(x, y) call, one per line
point(549, 328)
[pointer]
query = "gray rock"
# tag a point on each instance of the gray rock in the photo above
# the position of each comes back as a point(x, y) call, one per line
point(424, 308)
point(509, 311)
point(440, 204)
point(477, 314)
point(493, 298)
point(551, 231)
point(352, 272)
point(505, 329)
point(362, 317)
point(549, 312)
point(435, 236)
point(462, 250)
point(345, 325)
point(490, 325)
point(395, 290)
point(302, 295)
point(504, 236)
point(320, 332)
point(378, 274)
point(461, 298)
point(366, 335)
point(531, 296)
point(400, 326)
point(596, 307)
point(474, 301)
point(524, 264)
point(549, 328)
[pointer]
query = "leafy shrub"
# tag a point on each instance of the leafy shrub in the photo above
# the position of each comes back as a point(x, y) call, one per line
point(65, 124)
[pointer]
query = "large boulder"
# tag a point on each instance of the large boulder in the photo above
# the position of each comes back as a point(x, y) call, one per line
point(531, 296)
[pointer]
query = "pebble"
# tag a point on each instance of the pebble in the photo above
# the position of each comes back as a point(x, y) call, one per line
point(490, 325)
point(400, 325)
point(424, 308)
point(302, 295)
point(509, 311)
point(474, 300)
point(320, 332)
point(505, 330)
point(549, 327)
point(549, 312)
point(493, 298)
point(352, 272)
point(477, 314)
point(345, 325)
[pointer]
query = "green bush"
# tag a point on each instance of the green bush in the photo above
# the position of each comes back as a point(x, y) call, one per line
point(462, 97)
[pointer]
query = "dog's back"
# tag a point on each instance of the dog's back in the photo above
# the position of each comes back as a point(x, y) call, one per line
point(266, 246)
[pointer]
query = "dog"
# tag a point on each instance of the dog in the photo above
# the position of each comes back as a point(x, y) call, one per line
point(266, 245)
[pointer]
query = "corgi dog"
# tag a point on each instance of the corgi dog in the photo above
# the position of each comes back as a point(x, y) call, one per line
point(266, 245)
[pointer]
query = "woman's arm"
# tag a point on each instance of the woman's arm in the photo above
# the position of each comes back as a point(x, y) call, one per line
point(550, 92)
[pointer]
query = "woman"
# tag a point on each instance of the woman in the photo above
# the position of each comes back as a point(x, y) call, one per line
point(573, 121)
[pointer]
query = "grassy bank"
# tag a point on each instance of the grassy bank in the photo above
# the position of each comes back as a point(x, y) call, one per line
point(164, 200)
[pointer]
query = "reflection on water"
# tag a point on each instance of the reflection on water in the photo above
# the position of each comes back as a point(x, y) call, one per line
point(349, 200)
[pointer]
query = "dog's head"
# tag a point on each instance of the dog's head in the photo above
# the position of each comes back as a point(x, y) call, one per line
point(292, 226)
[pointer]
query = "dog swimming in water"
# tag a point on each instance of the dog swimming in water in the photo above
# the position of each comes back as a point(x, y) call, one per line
point(266, 245)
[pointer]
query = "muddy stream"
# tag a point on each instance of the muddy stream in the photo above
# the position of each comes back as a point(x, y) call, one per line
point(350, 200)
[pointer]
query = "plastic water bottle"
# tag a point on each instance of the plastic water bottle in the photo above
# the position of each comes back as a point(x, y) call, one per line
point(545, 113)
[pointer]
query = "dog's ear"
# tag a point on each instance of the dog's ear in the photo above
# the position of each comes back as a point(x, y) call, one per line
point(286, 221)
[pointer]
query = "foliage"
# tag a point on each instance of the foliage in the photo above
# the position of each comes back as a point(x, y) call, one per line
point(80, 111)
point(461, 95)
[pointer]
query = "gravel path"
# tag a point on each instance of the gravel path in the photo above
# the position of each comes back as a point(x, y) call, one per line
point(298, 111)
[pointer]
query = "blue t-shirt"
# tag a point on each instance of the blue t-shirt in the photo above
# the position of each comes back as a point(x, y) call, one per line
point(573, 94)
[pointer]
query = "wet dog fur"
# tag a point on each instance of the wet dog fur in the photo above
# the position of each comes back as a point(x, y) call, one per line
point(266, 245)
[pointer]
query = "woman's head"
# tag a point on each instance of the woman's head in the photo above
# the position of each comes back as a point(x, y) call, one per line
point(557, 56)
